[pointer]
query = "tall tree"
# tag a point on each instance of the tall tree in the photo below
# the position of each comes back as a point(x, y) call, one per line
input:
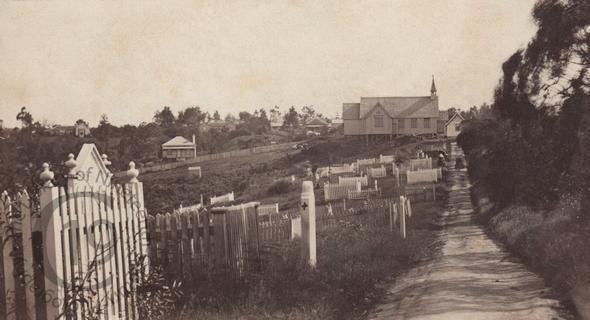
point(291, 118)
point(191, 117)
point(164, 117)
point(25, 118)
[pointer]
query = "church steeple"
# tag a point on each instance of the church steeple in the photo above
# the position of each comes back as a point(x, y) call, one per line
point(432, 89)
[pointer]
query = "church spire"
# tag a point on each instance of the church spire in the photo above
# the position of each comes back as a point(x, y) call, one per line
point(433, 88)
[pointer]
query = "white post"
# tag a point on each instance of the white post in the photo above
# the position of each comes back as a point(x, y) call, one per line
point(402, 217)
point(308, 248)
point(295, 228)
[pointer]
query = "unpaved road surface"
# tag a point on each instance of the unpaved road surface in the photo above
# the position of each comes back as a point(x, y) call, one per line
point(472, 278)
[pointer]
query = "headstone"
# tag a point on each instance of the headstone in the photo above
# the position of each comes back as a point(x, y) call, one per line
point(90, 168)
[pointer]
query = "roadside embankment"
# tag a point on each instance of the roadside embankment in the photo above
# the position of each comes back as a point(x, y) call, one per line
point(554, 243)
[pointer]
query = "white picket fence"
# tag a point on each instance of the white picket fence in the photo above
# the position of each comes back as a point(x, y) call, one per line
point(422, 176)
point(386, 159)
point(361, 162)
point(192, 208)
point(325, 172)
point(93, 244)
point(364, 181)
point(224, 198)
point(339, 191)
point(267, 211)
point(424, 163)
point(79, 251)
point(377, 172)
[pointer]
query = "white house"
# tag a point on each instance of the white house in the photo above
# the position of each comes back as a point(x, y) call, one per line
point(179, 148)
point(453, 126)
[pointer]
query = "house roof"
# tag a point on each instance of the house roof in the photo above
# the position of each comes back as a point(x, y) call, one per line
point(351, 111)
point(456, 115)
point(178, 142)
point(316, 122)
point(401, 107)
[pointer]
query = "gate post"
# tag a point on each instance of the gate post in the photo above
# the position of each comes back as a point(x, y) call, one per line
point(52, 250)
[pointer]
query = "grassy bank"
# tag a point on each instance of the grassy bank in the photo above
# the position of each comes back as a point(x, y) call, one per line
point(554, 243)
point(354, 264)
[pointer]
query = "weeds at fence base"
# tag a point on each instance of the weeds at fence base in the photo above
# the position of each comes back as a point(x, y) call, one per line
point(355, 262)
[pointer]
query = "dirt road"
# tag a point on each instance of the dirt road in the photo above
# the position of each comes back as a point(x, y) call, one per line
point(472, 278)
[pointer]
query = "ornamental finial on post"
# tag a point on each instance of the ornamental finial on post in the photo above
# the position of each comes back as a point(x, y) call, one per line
point(105, 160)
point(132, 173)
point(46, 176)
point(71, 164)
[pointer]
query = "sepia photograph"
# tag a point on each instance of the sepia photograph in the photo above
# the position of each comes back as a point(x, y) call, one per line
point(295, 159)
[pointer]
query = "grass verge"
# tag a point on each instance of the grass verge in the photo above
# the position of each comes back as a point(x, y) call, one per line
point(554, 243)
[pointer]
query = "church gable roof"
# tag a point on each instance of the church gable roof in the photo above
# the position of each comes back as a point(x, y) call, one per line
point(401, 107)
point(351, 111)
point(456, 115)
point(378, 108)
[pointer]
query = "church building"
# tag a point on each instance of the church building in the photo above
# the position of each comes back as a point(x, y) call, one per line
point(385, 117)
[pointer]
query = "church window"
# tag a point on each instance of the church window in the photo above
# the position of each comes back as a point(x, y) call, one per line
point(401, 123)
point(426, 123)
point(378, 121)
point(414, 123)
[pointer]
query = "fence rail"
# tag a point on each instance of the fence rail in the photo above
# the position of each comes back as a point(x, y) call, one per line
point(214, 156)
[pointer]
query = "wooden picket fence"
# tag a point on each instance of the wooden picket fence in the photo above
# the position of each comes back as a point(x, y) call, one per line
point(420, 192)
point(223, 239)
point(386, 159)
point(229, 197)
point(363, 194)
point(422, 176)
point(364, 181)
point(423, 163)
point(77, 242)
point(377, 172)
point(365, 161)
point(338, 191)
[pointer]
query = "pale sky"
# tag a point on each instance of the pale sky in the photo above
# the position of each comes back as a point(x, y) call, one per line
point(68, 60)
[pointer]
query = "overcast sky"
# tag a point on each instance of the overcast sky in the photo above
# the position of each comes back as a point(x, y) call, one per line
point(69, 60)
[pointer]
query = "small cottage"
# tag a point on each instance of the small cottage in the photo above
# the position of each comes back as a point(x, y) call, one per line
point(179, 148)
point(453, 126)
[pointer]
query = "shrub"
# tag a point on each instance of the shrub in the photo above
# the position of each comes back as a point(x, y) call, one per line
point(279, 187)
